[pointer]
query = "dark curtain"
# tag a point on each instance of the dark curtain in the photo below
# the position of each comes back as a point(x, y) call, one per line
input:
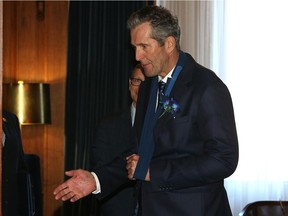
point(100, 60)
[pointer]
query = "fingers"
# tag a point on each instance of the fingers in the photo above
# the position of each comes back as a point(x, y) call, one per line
point(81, 184)
point(131, 165)
point(62, 192)
point(131, 156)
point(66, 194)
point(74, 198)
point(70, 173)
point(60, 188)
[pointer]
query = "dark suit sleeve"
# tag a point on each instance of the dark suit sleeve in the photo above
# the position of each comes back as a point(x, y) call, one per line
point(204, 140)
point(100, 147)
point(112, 176)
point(112, 138)
point(115, 139)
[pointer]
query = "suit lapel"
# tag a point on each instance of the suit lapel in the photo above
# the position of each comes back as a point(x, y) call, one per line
point(183, 84)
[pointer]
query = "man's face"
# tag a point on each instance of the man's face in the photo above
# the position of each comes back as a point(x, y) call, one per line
point(134, 86)
point(148, 52)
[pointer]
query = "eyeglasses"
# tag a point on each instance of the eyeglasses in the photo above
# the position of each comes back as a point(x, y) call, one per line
point(135, 81)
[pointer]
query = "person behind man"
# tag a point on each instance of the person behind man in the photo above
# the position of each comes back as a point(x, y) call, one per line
point(13, 165)
point(188, 146)
point(114, 136)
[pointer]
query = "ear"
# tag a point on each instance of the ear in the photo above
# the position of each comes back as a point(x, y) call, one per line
point(170, 44)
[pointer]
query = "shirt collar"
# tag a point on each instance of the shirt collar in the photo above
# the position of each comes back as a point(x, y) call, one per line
point(133, 111)
point(169, 75)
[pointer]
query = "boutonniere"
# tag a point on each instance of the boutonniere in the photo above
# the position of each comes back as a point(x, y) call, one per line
point(169, 105)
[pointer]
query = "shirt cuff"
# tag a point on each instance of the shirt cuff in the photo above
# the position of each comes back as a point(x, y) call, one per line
point(98, 187)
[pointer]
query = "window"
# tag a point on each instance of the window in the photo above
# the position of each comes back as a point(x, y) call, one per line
point(256, 74)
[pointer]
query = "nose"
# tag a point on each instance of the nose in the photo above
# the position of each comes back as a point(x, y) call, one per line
point(138, 54)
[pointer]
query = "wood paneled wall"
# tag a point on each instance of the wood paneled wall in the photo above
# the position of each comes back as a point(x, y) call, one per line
point(34, 50)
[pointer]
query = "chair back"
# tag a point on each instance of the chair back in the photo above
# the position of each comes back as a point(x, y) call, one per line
point(33, 163)
point(266, 208)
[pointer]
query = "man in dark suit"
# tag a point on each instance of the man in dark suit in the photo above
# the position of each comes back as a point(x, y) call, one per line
point(187, 144)
point(12, 165)
point(115, 135)
point(193, 145)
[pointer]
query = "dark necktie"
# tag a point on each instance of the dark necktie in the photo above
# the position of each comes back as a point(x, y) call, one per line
point(161, 87)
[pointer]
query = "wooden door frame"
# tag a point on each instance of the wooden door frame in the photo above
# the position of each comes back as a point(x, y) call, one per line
point(1, 75)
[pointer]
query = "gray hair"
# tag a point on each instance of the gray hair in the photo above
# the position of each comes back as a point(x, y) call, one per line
point(163, 23)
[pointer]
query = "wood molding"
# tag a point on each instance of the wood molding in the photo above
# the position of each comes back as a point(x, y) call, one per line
point(1, 74)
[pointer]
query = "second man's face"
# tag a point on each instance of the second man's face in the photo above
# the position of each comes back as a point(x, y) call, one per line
point(134, 85)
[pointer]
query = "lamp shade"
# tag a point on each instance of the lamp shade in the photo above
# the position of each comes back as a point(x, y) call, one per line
point(29, 101)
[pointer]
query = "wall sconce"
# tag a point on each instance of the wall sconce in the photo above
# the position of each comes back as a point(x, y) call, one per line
point(29, 101)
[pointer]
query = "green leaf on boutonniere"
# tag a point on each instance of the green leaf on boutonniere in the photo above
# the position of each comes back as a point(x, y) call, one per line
point(169, 105)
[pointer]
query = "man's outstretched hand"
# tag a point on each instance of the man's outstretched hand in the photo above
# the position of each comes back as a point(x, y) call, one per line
point(81, 184)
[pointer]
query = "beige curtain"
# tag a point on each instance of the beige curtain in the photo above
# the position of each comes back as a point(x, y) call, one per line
point(195, 19)
point(202, 31)
point(257, 69)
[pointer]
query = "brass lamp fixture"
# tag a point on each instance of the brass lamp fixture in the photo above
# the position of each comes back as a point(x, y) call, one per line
point(29, 101)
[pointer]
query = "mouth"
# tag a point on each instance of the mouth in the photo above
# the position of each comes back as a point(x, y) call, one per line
point(145, 65)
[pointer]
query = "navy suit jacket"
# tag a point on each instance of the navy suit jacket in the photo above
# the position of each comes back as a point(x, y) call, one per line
point(195, 149)
point(115, 136)
point(12, 165)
